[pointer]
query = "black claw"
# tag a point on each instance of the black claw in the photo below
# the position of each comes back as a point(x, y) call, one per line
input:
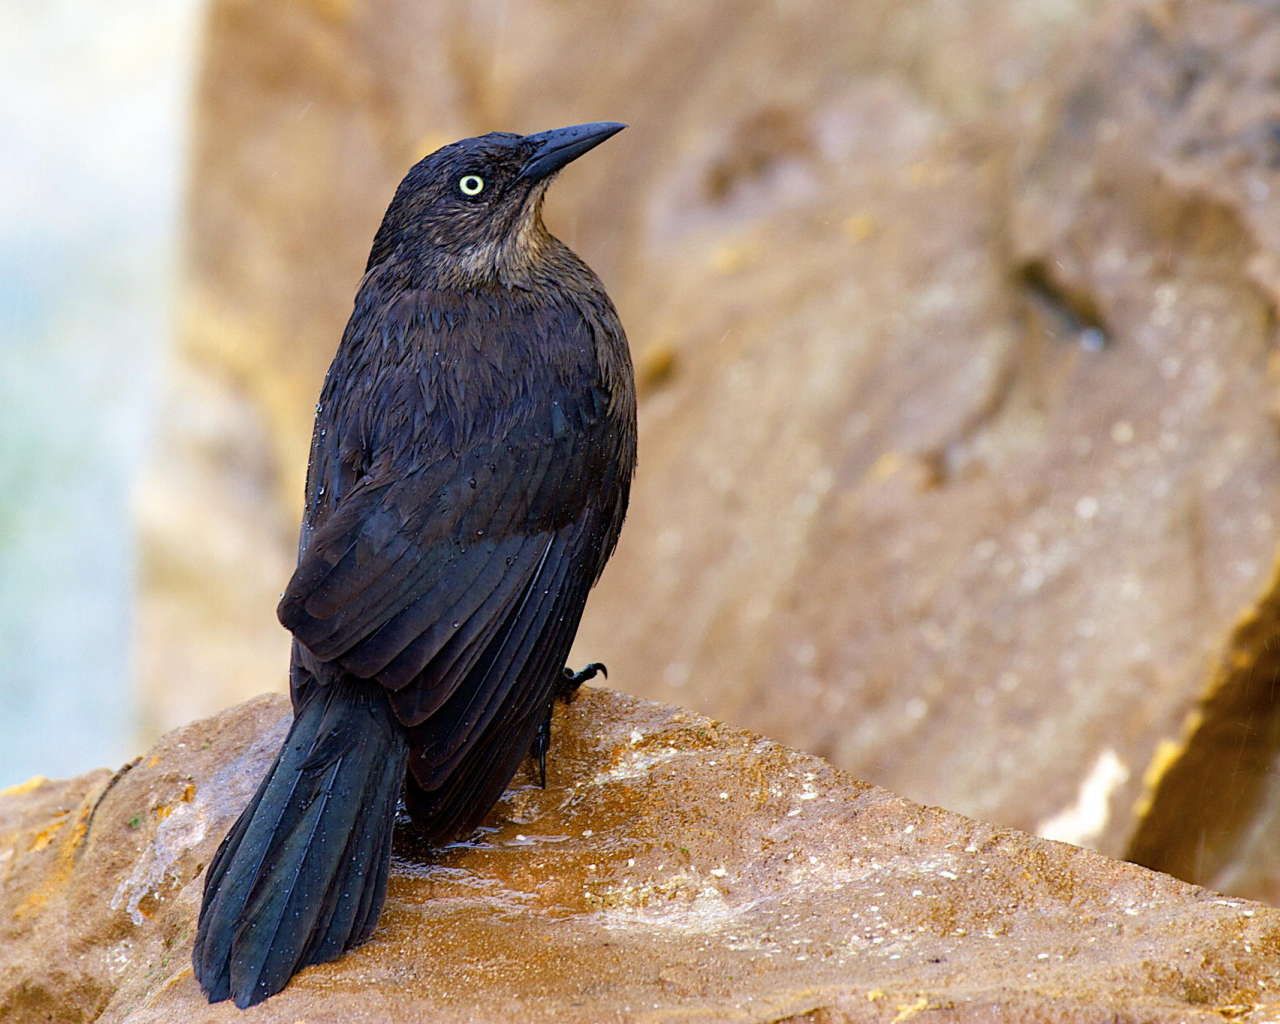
point(572, 680)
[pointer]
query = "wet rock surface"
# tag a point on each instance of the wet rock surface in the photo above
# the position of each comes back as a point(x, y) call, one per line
point(674, 869)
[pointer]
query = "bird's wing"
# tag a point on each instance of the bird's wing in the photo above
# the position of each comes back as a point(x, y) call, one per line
point(464, 739)
point(464, 754)
point(453, 566)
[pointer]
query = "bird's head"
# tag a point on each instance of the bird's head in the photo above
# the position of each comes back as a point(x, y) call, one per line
point(472, 211)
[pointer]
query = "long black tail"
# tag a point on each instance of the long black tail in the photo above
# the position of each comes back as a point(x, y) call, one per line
point(302, 875)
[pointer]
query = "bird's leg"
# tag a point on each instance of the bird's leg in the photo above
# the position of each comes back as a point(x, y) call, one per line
point(566, 686)
point(541, 741)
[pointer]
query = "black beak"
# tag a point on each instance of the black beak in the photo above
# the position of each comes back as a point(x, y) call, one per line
point(560, 145)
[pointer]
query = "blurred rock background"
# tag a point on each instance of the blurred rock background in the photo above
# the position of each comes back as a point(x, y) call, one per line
point(955, 325)
point(93, 127)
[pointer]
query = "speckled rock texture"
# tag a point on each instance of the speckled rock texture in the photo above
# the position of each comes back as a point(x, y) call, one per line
point(957, 337)
point(673, 870)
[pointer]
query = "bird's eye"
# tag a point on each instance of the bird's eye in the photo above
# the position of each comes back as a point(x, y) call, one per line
point(471, 185)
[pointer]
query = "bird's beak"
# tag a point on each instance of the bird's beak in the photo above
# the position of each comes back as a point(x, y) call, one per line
point(560, 145)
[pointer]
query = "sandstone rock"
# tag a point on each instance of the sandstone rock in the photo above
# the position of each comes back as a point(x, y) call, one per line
point(959, 462)
point(674, 869)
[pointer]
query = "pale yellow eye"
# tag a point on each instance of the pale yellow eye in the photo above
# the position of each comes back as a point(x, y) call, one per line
point(471, 185)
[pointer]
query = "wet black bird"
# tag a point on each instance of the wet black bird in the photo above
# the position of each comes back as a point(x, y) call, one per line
point(470, 466)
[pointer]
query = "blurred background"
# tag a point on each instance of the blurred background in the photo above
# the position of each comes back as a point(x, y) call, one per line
point(955, 327)
point(95, 120)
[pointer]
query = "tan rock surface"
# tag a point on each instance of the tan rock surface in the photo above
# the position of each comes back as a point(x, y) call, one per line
point(959, 462)
point(673, 870)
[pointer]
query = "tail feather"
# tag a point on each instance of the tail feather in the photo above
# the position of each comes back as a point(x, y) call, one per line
point(355, 899)
point(302, 875)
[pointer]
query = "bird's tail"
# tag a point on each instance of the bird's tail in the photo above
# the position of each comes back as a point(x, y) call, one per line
point(302, 875)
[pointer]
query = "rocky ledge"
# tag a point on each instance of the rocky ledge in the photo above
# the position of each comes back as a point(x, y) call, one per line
point(673, 869)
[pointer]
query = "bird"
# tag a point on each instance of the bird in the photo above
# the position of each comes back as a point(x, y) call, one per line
point(469, 473)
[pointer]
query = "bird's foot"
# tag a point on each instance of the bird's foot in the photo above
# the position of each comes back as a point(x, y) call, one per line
point(566, 687)
point(571, 680)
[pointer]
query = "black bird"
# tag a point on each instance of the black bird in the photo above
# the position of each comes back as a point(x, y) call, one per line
point(470, 467)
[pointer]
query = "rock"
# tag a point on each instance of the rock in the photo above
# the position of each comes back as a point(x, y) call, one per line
point(674, 869)
point(958, 452)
